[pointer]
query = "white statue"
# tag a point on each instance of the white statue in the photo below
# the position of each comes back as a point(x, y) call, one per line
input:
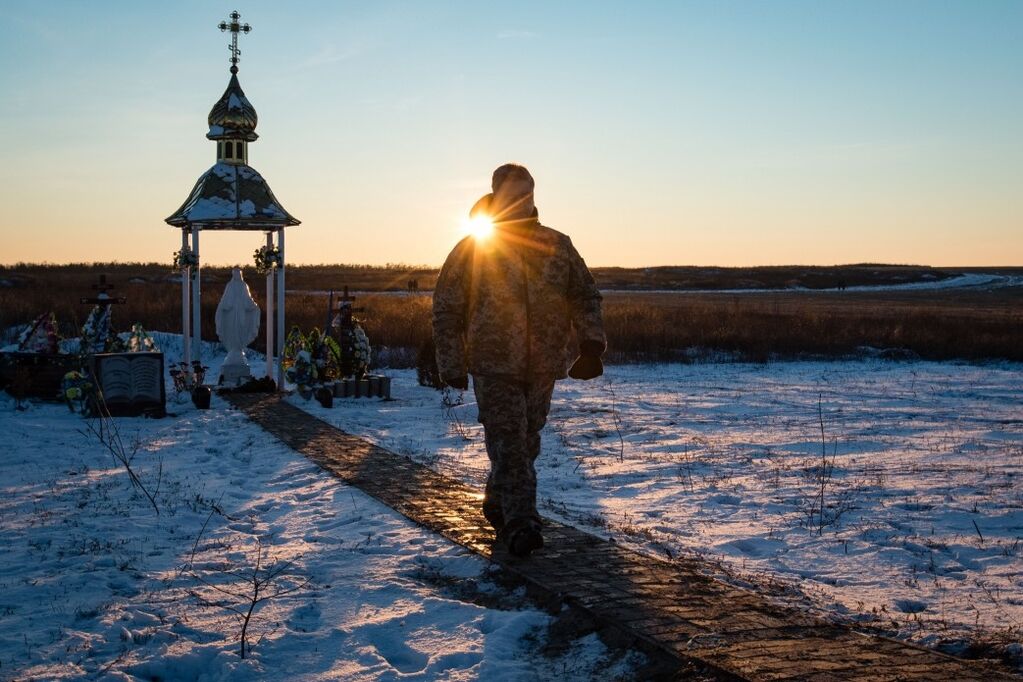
point(237, 327)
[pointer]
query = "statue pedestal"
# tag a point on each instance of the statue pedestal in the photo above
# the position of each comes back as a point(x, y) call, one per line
point(235, 370)
point(234, 375)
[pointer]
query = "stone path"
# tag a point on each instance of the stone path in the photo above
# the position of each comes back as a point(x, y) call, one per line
point(706, 628)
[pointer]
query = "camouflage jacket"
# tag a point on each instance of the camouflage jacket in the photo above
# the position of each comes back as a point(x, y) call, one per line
point(508, 305)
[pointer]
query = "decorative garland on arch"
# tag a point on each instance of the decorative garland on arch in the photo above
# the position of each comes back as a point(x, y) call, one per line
point(267, 258)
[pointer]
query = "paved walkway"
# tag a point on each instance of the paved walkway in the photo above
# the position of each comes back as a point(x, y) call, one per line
point(707, 628)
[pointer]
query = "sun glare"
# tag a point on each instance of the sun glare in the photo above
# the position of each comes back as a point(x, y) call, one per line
point(479, 227)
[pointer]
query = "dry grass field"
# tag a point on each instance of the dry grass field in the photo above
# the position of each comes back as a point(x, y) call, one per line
point(938, 325)
point(650, 326)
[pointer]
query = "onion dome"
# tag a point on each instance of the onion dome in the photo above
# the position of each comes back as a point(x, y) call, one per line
point(233, 117)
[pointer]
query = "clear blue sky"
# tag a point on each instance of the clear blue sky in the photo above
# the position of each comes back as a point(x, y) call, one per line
point(658, 132)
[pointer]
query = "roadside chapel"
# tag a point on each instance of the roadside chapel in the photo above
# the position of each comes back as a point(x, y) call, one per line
point(233, 196)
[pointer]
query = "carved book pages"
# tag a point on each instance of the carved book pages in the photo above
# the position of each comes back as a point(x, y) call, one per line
point(131, 383)
point(128, 379)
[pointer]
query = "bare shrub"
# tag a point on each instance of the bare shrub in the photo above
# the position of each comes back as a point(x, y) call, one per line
point(105, 430)
point(242, 590)
point(450, 401)
point(616, 420)
point(827, 503)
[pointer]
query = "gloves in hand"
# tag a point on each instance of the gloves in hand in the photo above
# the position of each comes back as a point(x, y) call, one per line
point(588, 365)
point(461, 383)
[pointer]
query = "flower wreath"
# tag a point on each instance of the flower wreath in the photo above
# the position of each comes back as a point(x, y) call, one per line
point(76, 389)
point(355, 352)
point(139, 340)
point(185, 258)
point(303, 372)
point(267, 258)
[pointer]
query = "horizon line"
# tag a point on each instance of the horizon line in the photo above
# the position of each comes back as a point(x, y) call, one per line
point(421, 266)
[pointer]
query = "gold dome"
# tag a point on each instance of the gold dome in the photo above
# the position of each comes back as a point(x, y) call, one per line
point(233, 117)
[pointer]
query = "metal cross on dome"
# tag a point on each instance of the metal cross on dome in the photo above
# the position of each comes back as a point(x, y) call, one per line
point(235, 28)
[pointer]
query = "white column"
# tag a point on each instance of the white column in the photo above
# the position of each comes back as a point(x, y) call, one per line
point(269, 313)
point(196, 291)
point(186, 333)
point(280, 311)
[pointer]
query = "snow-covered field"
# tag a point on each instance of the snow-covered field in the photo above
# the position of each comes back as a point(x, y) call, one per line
point(921, 534)
point(971, 281)
point(95, 585)
point(923, 488)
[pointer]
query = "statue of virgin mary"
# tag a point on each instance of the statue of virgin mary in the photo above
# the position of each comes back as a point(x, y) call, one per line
point(237, 326)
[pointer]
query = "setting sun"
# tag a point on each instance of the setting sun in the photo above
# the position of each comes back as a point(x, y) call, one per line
point(480, 227)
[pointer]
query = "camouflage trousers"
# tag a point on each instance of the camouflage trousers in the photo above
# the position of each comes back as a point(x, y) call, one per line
point(512, 414)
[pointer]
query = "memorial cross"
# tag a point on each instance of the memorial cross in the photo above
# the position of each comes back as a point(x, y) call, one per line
point(103, 298)
point(345, 310)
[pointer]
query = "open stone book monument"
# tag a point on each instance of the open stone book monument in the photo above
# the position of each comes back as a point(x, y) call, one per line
point(233, 196)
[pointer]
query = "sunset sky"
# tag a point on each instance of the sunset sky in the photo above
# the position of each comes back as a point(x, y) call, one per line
point(724, 133)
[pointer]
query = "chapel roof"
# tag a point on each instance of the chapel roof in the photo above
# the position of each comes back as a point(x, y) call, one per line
point(232, 197)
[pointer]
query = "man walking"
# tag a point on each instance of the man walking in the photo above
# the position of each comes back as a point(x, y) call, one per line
point(504, 310)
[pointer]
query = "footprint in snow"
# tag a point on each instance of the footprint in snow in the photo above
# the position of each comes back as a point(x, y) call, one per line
point(305, 618)
point(323, 539)
point(390, 645)
point(910, 605)
point(753, 547)
point(324, 526)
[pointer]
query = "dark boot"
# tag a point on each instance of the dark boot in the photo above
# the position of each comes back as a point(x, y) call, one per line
point(492, 509)
point(524, 542)
point(494, 516)
point(522, 538)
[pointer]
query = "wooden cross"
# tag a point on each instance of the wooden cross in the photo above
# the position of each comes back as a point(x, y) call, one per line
point(103, 298)
point(235, 28)
point(345, 309)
